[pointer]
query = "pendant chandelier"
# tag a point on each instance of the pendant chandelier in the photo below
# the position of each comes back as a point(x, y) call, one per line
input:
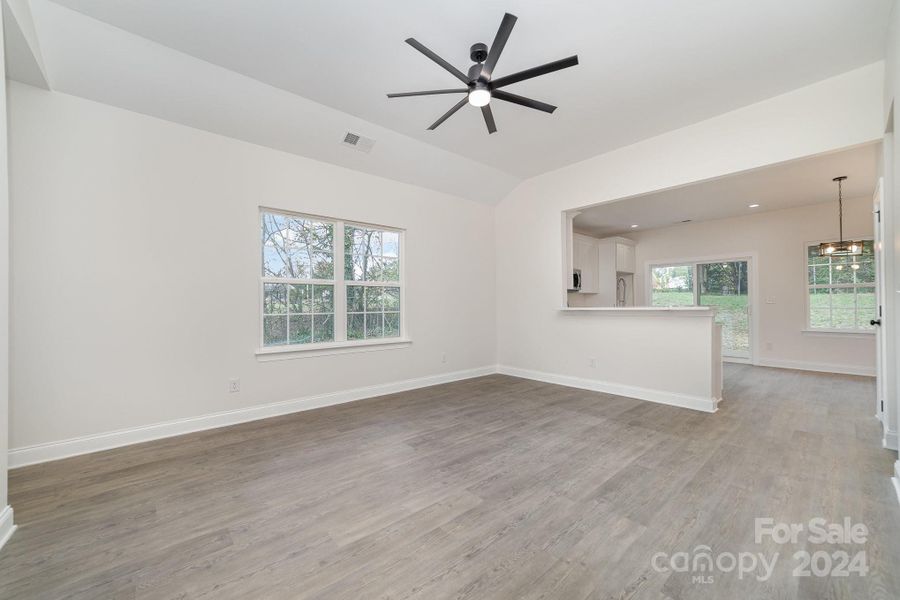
point(841, 247)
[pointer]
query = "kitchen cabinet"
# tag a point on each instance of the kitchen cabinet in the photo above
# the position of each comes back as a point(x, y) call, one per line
point(585, 258)
point(624, 257)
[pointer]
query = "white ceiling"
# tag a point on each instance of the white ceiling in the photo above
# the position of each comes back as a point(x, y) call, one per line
point(796, 183)
point(646, 67)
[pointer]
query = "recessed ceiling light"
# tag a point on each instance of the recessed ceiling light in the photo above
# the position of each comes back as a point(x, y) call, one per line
point(753, 206)
point(634, 226)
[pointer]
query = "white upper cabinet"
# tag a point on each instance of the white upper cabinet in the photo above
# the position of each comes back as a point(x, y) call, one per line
point(624, 257)
point(586, 259)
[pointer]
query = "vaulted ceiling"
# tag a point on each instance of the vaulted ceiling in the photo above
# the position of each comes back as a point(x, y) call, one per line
point(646, 68)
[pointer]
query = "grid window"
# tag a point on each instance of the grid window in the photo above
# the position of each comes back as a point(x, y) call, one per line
point(841, 290)
point(373, 312)
point(372, 272)
point(304, 302)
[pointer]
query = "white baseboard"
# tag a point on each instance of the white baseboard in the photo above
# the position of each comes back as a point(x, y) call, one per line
point(29, 455)
point(658, 396)
point(802, 365)
point(896, 479)
point(7, 527)
point(889, 440)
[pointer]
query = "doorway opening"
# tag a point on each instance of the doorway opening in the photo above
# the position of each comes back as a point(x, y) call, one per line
point(724, 284)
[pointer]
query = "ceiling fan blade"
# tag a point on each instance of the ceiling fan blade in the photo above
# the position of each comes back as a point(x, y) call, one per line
point(506, 26)
point(449, 113)
point(564, 63)
point(428, 93)
point(489, 118)
point(523, 101)
point(450, 68)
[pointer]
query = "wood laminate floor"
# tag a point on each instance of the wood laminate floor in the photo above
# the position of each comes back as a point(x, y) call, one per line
point(490, 488)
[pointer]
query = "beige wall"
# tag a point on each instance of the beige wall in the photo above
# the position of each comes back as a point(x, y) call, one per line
point(136, 263)
point(777, 239)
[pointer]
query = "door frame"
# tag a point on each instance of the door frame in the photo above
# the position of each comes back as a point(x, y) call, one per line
point(881, 350)
point(752, 281)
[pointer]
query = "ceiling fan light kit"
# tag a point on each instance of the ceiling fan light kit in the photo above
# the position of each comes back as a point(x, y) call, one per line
point(481, 87)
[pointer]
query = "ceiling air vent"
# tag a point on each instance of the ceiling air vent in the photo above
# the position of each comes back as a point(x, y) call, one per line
point(358, 142)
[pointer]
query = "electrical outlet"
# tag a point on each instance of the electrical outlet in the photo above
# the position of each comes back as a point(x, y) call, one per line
point(592, 362)
point(443, 357)
point(234, 386)
point(769, 345)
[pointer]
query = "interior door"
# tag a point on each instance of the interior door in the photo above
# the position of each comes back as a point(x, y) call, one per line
point(880, 338)
point(726, 286)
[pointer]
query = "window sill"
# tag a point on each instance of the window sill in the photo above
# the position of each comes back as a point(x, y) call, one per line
point(839, 332)
point(311, 350)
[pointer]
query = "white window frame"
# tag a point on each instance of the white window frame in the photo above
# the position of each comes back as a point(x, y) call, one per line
point(808, 286)
point(340, 344)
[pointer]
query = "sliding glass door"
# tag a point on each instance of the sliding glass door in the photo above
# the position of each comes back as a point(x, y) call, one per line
point(724, 285)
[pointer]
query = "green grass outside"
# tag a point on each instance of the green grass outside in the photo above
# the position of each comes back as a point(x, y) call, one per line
point(827, 311)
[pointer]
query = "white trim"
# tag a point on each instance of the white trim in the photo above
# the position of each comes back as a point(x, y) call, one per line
point(838, 332)
point(803, 365)
point(896, 479)
point(29, 455)
point(7, 526)
point(643, 311)
point(738, 360)
point(327, 349)
point(889, 440)
point(661, 397)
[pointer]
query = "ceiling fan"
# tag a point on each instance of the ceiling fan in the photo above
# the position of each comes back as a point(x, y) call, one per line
point(480, 85)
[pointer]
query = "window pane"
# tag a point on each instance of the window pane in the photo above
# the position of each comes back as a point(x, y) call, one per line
point(373, 299)
point(323, 298)
point(274, 330)
point(820, 308)
point(390, 269)
point(301, 298)
point(814, 258)
point(392, 324)
point(374, 325)
point(843, 308)
point(300, 329)
point(322, 266)
point(354, 267)
point(842, 318)
point(371, 254)
point(323, 328)
point(297, 247)
point(865, 298)
point(273, 262)
point(672, 286)
point(274, 298)
point(391, 298)
point(374, 269)
point(820, 318)
point(841, 271)
point(355, 298)
point(867, 307)
point(822, 274)
point(356, 326)
point(866, 272)
point(391, 243)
